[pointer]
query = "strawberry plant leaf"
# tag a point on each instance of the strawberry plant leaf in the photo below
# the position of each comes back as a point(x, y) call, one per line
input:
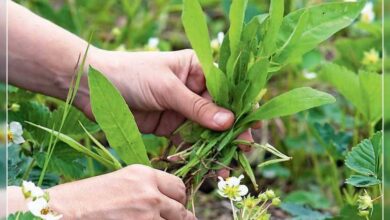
point(362, 181)
point(116, 120)
point(365, 160)
point(362, 90)
point(289, 103)
point(324, 20)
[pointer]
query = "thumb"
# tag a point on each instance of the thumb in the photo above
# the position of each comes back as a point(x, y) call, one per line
point(200, 109)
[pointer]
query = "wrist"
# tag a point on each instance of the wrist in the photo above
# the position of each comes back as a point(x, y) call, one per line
point(16, 201)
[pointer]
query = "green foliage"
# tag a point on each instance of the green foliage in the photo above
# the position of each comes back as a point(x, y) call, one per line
point(300, 212)
point(290, 103)
point(322, 21)
point(314, 199)
point(362, 90)
point(365, 159)
point(116, 120)
point(22, 216)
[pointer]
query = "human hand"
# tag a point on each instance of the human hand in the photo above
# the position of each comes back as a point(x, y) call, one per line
point(162, 90)
point(134, 192)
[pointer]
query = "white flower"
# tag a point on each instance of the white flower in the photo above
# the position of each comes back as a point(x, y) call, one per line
point(368, 14)
point(153, 43)
point(15, 132)
point(217, 42)
point(29, 189)
point(231, 188)
point(309, 75)
point(220, 37)
point(40, 208)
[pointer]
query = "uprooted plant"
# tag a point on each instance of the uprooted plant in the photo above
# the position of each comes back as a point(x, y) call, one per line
point(250, 55)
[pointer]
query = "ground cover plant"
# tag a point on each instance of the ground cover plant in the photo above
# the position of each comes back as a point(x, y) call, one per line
point(263, 69)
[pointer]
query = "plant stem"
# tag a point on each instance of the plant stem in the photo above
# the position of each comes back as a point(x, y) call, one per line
point(29, 168)
point(335, 184)
point(90, 167)
point(233, 210)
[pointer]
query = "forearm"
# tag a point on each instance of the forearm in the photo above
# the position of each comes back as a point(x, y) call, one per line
point(42, 56)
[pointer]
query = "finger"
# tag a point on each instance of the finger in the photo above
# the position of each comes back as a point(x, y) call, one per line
point(171, 186)
point(169, 122)
point(173, 210)
point(256, 125)
point(200, 110)
point(247, 136)
point(196, 82)
point(224, 173)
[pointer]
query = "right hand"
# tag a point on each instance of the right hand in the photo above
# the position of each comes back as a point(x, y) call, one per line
point(135, 192)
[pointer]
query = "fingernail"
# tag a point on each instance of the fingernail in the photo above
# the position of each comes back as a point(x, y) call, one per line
point(221, 118)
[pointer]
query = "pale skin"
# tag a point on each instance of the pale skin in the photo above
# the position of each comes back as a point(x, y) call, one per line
point(162, 89)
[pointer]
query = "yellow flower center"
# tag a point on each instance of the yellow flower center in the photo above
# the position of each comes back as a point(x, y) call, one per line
point(45, 211)
point(249, 203)
point(10, 135)
point(231, 192)
point(371, 57)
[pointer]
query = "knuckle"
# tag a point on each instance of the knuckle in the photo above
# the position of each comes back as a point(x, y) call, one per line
point(200, 106)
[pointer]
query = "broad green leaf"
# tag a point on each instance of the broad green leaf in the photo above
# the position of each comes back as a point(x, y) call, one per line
point(324, 20)
point(345, 81)
point(274, 23)
point(236, 16)
point(371, 87)
point(116, 120)
point(314, 199)
point(70, 169)
point(218, 87)
point(195, 26)
point(287, 49)
point(362, 181)
point(362, 90)
point(386, 95)
point(300, 212)
point(71, 125)
point(34, 112)
point(365, 159)
point(289, 103)
point(224, 54)
point(244, 163)
point(257, 77)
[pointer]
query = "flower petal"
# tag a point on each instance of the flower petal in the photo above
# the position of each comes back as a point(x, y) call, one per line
point(242, 190)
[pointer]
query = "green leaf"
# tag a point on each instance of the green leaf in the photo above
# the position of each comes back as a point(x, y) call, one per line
point(22, 216)
point(362, 181)
point(69, 168)
point(116, 120)
point(293, 40)
point(323, 21)
point(257, 77)
point(289, 103)
point(236, 16)
point(363, 90)
point(365, 159)
point(312, 198)
point(371, 88)
point(195, 26)
point(274, 23)
point(77, 146)
point(244, 163)
point(299, 212)
point(217, 86)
